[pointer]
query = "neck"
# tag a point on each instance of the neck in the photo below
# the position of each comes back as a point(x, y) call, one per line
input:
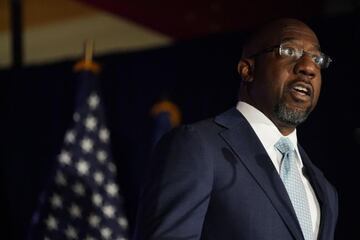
point(284, 127)
point(285, 130)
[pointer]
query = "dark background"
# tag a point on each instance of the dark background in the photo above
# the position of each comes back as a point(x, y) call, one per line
point(199, 76)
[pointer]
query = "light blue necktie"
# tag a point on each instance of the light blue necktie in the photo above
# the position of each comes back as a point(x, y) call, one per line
point(290, 176)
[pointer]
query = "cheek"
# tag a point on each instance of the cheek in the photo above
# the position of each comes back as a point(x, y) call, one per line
point(272, 78)
point(317, 89)
point(279, 79)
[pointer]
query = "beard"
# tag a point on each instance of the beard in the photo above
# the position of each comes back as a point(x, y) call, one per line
point(291, 116)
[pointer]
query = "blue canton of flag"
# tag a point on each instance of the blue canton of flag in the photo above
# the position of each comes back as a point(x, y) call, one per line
point(84, 201)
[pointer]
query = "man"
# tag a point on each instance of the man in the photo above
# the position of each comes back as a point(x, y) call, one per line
point(242, 175)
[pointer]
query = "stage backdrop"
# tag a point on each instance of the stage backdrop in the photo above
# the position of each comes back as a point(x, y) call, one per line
point(200, 77)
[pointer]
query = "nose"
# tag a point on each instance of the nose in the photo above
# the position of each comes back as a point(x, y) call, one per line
point(305, 67)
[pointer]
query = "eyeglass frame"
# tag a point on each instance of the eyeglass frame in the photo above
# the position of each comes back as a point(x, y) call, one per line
point(272, 48)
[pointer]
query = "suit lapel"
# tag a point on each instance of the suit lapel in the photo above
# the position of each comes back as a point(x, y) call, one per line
point(244, 142)
point(316, 183)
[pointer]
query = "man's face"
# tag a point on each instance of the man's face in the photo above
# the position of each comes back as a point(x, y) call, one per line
point(284, 89)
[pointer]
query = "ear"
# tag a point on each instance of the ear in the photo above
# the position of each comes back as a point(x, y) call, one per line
point(245, 69)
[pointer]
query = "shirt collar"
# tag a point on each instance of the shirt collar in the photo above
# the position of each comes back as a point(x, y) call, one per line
point(264, 128)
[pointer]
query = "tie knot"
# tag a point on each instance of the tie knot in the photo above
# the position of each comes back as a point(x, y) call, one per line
point(284, 145)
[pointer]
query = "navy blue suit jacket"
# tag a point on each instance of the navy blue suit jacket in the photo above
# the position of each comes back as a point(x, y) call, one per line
point(214, 180)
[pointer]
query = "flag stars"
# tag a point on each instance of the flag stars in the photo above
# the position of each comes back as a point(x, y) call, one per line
point(76, 117)
point(94, 220)
point(104, 135)
point(71, 233)
point(93, 101)
point(60, 179)
point(112, 189)
point(89, 238)
point(82, 167)
point(79, 189)
point(86, 153)
point(56, 201)
point(90, 123)
point(121, 238)
point(123, 222)
point(101, 156)
point(75, 211)
point(97, 199)
point(85, 176)
point(70, 137)
point(87, 145)
point(109, 211)
point(112, 167)
point(65, 157)
point(51, 223)
point(98, 177)
point(106, 232)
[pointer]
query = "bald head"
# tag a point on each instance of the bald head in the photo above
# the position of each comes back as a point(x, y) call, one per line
point(273, 33)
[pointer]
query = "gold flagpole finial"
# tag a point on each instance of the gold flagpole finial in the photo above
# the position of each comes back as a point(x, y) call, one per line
point(87, 63)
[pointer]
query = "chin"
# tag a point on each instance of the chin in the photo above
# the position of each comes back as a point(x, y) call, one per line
point(291, 115)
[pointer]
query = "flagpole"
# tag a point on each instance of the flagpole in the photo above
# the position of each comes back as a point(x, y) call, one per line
point(89, 50)
point(17, 33)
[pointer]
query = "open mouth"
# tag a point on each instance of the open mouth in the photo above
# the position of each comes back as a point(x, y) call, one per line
point(303, 89)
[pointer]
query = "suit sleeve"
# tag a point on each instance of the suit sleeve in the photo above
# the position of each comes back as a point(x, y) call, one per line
point(177, 189)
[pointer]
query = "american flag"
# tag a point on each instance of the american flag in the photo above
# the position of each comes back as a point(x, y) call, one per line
point(84, 200)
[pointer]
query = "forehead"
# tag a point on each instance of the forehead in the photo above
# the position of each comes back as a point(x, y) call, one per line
point(279, 31)
point(299, 33)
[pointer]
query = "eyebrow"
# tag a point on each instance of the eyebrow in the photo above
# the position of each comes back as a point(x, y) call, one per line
point(291, 39)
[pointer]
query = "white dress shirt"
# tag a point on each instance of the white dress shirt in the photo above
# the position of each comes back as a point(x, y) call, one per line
point(269, 134)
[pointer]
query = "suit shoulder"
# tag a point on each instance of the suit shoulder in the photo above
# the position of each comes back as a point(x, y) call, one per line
point(204, 127)
point(216, 124)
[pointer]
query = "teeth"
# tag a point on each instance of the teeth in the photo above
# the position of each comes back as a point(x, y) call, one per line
point(302, 89)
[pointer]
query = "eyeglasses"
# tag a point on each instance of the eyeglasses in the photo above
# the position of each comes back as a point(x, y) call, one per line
point(287, 51)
